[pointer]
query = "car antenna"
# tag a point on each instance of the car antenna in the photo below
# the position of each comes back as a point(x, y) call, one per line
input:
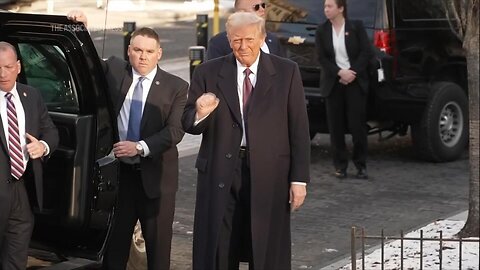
point(105, 29)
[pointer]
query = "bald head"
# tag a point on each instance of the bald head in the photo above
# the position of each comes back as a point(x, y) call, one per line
point(6, 47)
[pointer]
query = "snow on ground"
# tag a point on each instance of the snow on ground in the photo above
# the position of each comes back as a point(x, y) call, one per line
point(411, 251)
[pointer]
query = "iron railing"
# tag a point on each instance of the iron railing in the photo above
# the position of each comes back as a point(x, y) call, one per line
point(355, 234)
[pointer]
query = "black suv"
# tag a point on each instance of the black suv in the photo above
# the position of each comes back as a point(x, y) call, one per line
point(424, 67)
point(80, 178)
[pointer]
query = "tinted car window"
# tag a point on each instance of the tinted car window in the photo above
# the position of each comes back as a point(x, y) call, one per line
point(422, 10)
point(311, 11)
point(45, 68)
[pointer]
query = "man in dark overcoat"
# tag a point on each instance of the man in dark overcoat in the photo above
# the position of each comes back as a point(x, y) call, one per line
point(253, 163)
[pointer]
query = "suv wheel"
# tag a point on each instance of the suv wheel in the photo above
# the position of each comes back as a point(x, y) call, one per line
point(442, 133)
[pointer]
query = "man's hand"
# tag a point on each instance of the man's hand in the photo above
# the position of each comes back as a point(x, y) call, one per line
point(35, 148)
point(297, 196)
point(206, 104)
point(125, 149)
point(347, 76)
point(77, 16)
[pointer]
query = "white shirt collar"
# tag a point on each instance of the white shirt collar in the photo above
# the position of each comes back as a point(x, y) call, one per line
point(150, 76)
point(253, 67)
point(14, 92)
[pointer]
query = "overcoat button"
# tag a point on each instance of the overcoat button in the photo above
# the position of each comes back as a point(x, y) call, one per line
point(229, 156)
point(221, 185)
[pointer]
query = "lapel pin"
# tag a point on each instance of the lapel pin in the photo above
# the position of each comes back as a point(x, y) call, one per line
point(346, 33)
point(269, 40)
point(157, 82)
point(24, 94)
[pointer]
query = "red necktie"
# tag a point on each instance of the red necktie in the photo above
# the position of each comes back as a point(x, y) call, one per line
point(14, 146)
point(247, 87)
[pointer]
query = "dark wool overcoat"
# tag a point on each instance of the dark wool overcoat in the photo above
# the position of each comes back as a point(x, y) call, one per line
point(279, 145)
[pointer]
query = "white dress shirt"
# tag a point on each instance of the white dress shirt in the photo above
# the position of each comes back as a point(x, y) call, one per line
point(124, 115)
point(253, 79)
point(21, 122)
point(341, 56)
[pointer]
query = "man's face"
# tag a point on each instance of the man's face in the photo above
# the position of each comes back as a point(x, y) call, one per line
point(144, 54)
point(9, 69)
point(257, 6)
point(245, 42)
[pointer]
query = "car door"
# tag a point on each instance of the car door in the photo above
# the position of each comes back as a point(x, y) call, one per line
point(80, 179)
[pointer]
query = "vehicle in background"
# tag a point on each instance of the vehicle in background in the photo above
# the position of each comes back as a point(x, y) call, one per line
point(423, 80)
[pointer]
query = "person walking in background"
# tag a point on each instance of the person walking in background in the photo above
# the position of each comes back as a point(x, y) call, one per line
point(27, 138)
point(254, 158)
point(149, 104)
point(344, 52)
point(219, 45)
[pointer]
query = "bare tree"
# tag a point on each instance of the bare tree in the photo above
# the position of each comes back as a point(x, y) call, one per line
point(465, 25)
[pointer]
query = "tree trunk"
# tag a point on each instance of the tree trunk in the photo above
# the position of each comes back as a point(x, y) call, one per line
point(470, 44)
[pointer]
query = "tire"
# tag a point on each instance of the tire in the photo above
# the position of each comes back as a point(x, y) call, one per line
point(442, 133)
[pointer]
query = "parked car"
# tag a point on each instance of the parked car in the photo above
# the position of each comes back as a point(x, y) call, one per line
point(80, 178)
point(424, 84)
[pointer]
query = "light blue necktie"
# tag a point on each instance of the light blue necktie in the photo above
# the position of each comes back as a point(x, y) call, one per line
point(133, 133)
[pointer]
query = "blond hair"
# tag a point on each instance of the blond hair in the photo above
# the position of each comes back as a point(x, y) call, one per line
point(241, 19)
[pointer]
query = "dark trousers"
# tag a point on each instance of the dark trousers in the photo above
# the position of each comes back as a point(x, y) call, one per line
point(235, 240)
point(346, 108)
point(156, 219)
point(17, 229)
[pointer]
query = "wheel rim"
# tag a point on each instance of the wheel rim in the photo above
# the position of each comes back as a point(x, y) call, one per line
point(451, 124)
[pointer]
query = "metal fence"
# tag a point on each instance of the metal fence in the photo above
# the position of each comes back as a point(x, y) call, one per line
point(360, 235)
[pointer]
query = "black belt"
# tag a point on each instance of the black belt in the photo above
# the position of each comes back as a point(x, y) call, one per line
point(132, 167)
point(243, 153)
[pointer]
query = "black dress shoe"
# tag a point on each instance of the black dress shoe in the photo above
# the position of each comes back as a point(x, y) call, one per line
point(362, 173)
point(341, 173)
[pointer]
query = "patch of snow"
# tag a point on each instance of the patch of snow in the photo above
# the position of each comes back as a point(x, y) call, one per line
point(431, 258)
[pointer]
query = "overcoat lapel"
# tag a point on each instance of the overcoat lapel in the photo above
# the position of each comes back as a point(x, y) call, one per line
point(328, 37)
point(126, 82)
point(229, 88)
point(3, 138)
point(27, 108)
point(154, 96)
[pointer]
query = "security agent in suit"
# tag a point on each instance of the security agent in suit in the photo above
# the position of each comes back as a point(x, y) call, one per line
point(344, 52)
point(147, 148)
point(254, 158)
point(27, 137)
point(219, 45)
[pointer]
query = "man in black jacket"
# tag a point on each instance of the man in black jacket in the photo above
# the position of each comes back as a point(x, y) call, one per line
point(149, 104)
point(27, 137)
point(219, 45)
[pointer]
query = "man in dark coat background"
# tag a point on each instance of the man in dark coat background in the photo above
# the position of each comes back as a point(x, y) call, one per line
point(253, 163)
point(218, 45)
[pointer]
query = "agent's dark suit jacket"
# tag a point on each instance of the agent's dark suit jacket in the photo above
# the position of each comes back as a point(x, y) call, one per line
point(39, 125)
point(218, 46)
point(279, 149)
point(358, 49)
point(160, 127)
